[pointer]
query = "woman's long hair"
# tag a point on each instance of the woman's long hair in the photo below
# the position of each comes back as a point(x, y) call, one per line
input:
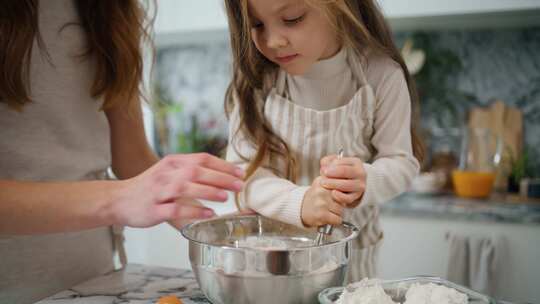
point(359, 24)
point(115, 31)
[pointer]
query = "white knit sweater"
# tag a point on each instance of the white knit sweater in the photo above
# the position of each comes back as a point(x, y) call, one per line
point(361, 105)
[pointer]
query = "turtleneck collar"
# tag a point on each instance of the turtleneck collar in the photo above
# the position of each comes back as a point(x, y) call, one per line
point(327, 68)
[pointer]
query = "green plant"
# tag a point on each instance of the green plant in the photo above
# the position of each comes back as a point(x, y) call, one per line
point(521, 167)
point(184, 138)
point(162, 106)
point(439, 97)
point(197, 141)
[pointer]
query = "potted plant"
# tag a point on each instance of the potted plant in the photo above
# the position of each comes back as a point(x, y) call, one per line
point(518, 172)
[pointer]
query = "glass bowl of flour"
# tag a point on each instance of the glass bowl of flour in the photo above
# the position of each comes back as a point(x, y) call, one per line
point(416, 290)
point(253, 259)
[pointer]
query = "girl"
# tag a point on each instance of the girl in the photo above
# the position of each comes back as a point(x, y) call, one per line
point(70, 75)
point(311, 77)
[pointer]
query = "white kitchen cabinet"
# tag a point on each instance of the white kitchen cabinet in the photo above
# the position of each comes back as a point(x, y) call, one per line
point(180, 21)
point(418, 246)
point(420, 8)
point(189, 15)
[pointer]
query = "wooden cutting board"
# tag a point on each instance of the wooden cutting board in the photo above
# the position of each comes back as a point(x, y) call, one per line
point(506, 122)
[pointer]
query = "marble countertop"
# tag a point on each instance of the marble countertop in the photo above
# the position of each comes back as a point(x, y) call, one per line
point(136, 284)
point(495, 209)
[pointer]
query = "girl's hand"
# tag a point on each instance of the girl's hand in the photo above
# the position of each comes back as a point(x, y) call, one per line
point(167, 190)
point(318, 207)
point(345, 177)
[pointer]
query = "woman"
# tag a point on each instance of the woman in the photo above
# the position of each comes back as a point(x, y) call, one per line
point(70, 109)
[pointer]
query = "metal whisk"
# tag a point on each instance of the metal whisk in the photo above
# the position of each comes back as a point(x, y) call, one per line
point(324, 231)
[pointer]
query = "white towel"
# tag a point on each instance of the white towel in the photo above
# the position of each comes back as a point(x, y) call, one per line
point(473, 261)
point(458, 259)
point(482, 265)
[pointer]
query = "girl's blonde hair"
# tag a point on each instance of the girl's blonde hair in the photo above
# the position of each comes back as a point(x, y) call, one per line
point(360, 26)
point(114, 31)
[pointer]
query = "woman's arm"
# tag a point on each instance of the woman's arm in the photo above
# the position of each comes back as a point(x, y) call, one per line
point(162, 193)
point(33, 207)
point(131, 154)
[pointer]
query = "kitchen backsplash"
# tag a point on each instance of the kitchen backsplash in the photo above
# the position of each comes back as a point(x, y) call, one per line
point(467, 68)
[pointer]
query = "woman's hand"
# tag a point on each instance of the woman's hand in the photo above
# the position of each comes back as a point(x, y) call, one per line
point(345, 177)
point(180, 223)
point(318, 207)
point(166, 191)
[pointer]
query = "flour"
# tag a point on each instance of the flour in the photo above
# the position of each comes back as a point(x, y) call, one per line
point(371, 292)
point(270, 243)
point(365, 292)
point(433, 293)
point(255, 263)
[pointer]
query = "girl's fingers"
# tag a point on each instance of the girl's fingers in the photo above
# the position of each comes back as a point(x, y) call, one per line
point(342, 172)
point(334, 160)
point(327, 160)
point(343, 185)
point(346, 198)
point(336, 208)
point(347, 161)
point(332, 219)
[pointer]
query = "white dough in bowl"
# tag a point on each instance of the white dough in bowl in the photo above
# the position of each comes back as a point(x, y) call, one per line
point(372, 292)
point(433, 293)
point(364, 292)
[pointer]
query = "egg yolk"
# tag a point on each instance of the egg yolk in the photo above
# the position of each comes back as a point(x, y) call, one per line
point(171, 299)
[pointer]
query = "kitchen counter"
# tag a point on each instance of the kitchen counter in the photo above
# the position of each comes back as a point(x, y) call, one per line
point(137, 284)
point(498, 209)
point(420, 229)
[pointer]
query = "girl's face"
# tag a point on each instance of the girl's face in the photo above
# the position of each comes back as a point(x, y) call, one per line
point(291, 33)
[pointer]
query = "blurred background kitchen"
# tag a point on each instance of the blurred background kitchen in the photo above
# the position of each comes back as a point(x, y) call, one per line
point(473, 215)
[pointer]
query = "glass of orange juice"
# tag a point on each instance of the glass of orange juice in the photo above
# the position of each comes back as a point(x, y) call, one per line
point(479, 158)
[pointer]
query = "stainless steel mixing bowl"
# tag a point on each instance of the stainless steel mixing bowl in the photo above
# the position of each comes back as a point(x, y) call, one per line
point(286, 268)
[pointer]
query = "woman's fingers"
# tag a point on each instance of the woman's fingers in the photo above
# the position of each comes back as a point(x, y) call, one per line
point(176, 210)
point(197, 191)
point(218, 164)
point(209, 177)
point(179, 223)
point(195, 182)
point(204, 160)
